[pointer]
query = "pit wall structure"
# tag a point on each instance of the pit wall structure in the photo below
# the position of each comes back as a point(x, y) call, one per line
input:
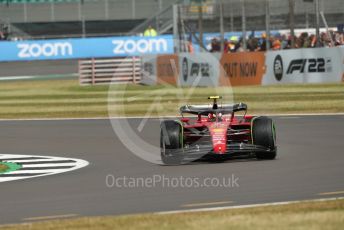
point(317, 65)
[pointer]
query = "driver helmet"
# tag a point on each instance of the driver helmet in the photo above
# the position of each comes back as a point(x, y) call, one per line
point(211, 117)
point(219, 116)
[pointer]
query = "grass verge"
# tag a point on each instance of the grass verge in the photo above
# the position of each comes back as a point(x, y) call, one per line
point(305, 215)
point(65, 98)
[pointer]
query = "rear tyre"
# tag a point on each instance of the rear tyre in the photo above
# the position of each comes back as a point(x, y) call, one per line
point(263, 134)
point(171, 138)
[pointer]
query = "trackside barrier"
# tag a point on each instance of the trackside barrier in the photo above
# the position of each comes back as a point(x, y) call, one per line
point(316, 65)
point(80, 48)
point(204, 69)
point(106, 71)
point(319, 65)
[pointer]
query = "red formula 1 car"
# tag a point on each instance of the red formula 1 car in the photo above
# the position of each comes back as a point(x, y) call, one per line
point(216, 132)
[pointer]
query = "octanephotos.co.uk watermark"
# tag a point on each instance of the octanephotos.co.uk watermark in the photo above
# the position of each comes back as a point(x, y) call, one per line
point(164, 181)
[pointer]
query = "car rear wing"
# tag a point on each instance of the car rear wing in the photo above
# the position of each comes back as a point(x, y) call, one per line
point(206, 109)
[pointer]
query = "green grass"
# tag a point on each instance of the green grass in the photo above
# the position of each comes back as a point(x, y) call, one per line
point(6, 167)
point(299, 216)
point(3, 168)
point(66, 98)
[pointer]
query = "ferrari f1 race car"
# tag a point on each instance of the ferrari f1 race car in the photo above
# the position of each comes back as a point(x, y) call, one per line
point(217, 132)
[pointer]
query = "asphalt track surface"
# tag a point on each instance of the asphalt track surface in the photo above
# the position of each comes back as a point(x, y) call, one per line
point(310, 161)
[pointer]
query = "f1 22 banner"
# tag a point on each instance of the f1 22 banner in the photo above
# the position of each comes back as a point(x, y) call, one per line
point(201, 69)
point(29, 50)
point(319, 65)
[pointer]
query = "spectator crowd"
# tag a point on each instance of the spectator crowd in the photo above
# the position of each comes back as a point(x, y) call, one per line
point(277, 42)
point(4, 35)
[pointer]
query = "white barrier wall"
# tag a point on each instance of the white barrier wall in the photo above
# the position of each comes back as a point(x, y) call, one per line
point(201, 69)
point(148, 69)
point(312, 65)
point(185, 69)
point(319, 65)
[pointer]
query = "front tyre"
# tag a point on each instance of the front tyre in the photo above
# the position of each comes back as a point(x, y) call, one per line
point(263, 134)
point(171, 142)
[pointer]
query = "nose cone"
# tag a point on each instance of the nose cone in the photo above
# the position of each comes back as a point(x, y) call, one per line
point(219, 139)
point(219, 147)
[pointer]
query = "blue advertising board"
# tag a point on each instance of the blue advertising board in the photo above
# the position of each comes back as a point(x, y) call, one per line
point(53, 49)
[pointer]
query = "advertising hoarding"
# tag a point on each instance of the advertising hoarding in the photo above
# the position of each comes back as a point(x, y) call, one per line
point(78, 48)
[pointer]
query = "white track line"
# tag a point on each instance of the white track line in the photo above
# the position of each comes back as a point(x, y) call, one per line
point(245, 206)
point(30, 160)
point(215, 208)
point(25, 170)
point(41, 218)
point(47, 165)
point(16, 78)
point(45, 171)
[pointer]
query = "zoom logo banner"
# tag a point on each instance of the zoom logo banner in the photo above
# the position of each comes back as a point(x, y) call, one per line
point(85, 48)
point(143, 46)
point(27, 50)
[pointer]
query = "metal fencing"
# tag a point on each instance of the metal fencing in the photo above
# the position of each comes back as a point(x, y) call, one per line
point(106, 71)
point(78, 10)
point(252, 18)
point(242, 18)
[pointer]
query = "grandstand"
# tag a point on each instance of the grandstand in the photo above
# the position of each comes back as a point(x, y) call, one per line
point(71, 18)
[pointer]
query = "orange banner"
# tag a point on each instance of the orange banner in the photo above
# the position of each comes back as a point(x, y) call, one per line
point(242, 69)
point(167, 69)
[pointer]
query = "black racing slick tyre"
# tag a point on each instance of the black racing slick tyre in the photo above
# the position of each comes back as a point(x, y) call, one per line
point(263, 134)
point(171, 142)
